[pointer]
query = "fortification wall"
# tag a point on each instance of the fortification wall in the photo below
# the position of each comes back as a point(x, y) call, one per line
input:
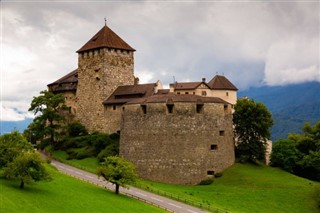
point(100, 72)
point(182, 147)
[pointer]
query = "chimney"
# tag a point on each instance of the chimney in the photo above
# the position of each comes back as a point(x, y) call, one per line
point(136, 81)
point(203, 79)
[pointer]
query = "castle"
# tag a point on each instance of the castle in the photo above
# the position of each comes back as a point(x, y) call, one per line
point(179, 135)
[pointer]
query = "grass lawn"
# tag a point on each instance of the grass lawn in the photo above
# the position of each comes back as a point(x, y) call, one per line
point(245, 188)
point(250, 188)
point(88, 164)
point(65, 194)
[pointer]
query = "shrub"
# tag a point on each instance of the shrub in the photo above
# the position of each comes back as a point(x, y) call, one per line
point(111, 150)
point(206, 181)
point(76, 129)
point(218, 174)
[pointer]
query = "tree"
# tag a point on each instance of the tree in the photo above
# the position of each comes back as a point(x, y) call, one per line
point(252, 122)
point(11, 145)
point(118, 171)
point(48, 107)
point(27, 168)
point(301, 154)
point(285, 154)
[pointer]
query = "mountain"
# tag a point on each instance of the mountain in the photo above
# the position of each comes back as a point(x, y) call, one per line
point(9, 126)
point(291, 106)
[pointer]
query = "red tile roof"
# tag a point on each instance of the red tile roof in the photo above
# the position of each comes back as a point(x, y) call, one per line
point(220, 82)
point(124, 94)
point(105, 38)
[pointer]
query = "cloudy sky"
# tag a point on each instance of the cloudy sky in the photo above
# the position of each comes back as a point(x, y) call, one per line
point(253, 43)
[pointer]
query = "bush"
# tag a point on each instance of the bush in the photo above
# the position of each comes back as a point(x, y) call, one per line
point(76, 129)
point(218, 174)
point(206, 181)
point(111, 150)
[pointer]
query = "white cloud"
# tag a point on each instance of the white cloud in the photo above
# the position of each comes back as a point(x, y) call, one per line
point(294, 60)
point(13, 111)
point(250, 42)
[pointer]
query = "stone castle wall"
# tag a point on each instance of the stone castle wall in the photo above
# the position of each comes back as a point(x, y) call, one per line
point(100, 72)
point(182, 147)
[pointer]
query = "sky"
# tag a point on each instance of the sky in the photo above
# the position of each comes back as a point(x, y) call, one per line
point(252, 43)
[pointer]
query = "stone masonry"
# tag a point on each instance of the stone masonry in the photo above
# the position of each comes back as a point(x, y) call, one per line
point(100, 72)
point(181, 147)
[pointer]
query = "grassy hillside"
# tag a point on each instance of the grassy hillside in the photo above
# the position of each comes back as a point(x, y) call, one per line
point(244, 188)
point(65, 194)
point(250, 188)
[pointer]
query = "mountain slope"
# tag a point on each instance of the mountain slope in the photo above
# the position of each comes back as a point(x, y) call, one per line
point(291, 106)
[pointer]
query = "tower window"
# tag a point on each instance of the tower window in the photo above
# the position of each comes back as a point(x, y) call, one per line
point(227, 93)
point(114, 107)
point(213, 147)
point(144, 109)
point(221, 132)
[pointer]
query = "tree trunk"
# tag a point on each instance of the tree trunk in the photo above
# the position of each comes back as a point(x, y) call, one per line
point(21, 184)
point(117, 188)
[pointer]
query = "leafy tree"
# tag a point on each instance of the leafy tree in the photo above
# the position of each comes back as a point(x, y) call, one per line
point(285, 154)
point(118, 171)
point(48, 107)
point(302, 156)
point(27, 168)
point(11, 145)
point(252, 123)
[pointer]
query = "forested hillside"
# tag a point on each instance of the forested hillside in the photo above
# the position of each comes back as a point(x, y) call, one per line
point(291, 106)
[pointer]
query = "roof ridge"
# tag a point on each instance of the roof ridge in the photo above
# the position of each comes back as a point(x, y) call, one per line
point(105, 37)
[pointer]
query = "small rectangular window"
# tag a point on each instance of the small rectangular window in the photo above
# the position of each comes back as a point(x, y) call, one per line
point(170, 108)
point(210, 172)
point(114, 107)
point(144, 109)
point(227, 94)
point(213, 146)
point(178, 93)
point(194, 93)
point(225, 107)
point(199, 108)
point(204, 93)
point(221, 132)
point(187, 93)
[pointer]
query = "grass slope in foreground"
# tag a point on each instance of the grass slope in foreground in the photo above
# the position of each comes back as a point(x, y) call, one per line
point(66, 194)
point(242, 188)
point(250, 188)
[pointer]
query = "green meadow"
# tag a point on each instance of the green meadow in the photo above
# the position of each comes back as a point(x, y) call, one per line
point(249, 188)
point(65, 194)
point(242, 188)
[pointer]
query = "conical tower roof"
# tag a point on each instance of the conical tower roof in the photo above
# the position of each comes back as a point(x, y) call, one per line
point(220, 82)
point(105, 38)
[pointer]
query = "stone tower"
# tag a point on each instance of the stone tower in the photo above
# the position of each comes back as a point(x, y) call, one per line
point(104, 63)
